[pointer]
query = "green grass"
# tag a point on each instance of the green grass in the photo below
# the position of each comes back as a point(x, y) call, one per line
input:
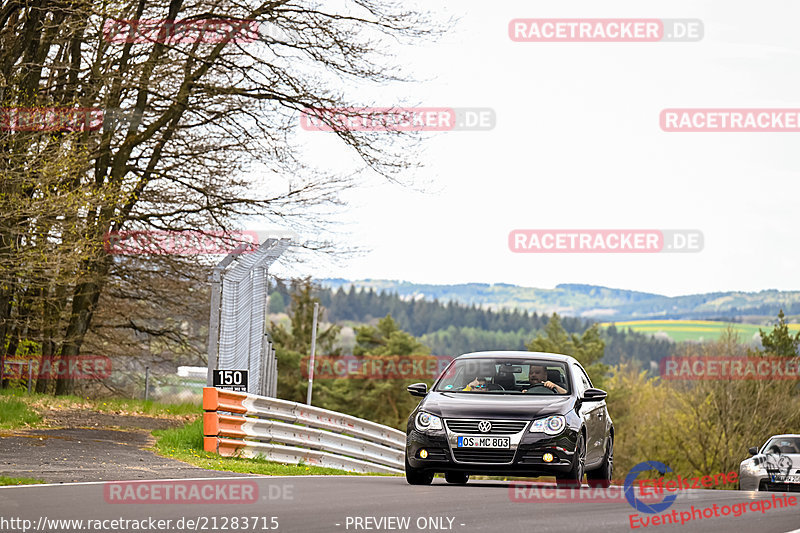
point(5, 480)
point(186, 444)
point(694, 330)
point(148, 407)
point(15, 413)
point(111, 405)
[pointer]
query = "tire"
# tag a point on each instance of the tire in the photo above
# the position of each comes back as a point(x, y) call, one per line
point(574, 477)
point(456, 478)
point(415, 476)
point(601, 477)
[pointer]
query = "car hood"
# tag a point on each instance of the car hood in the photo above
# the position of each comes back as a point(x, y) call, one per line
point(787, 463)
point(498, 406)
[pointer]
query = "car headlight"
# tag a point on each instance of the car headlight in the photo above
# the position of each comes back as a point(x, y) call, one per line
point(427, 421)
point(552, 425)
point(753, 467)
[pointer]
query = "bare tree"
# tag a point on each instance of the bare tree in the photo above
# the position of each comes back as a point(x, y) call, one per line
point(188, 125)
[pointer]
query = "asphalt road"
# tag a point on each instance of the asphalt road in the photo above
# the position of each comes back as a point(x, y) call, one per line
point(82, 454)
point(340, 504)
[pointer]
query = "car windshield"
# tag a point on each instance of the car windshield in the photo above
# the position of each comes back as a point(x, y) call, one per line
point(504, 376)
point(783, 445)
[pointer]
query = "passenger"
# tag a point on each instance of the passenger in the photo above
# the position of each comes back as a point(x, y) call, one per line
point(478, 384)
point(538, 374)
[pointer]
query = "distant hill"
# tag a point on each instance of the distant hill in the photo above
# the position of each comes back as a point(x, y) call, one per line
point(592, 301)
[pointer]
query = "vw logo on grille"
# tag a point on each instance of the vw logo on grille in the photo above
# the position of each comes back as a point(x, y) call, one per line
point(484, 426)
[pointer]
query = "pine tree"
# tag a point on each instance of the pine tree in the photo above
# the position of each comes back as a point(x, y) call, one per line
point(779, 341)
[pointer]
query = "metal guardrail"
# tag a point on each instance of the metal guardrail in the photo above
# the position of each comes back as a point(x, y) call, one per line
point(325, 438)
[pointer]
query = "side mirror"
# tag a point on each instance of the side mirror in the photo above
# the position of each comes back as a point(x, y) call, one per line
point(752, 451)
point(418, 389)
point(594, 395)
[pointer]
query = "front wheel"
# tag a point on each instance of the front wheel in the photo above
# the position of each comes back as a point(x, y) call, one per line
point(456, 478)
point(602, 476)
point(415, 476)
point(574, 477)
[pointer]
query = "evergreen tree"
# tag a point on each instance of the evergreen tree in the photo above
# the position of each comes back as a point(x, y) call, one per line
point(374, 397)
point(779, 341)
point(387, 339)
point(276, 303)
point(301, 314)
point(588, 348)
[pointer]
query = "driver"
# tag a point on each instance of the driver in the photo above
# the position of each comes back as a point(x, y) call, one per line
point(538, 376)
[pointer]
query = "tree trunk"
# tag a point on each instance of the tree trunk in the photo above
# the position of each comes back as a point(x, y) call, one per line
point(84, 302)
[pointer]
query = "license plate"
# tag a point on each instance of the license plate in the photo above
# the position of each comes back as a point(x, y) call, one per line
point(784, 478)
point(484, 442)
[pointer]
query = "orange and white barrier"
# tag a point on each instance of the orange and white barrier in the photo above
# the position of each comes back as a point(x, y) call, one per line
point(268, 427)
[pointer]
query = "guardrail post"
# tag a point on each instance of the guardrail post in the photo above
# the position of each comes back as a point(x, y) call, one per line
point(210, 420)
point(213, 322)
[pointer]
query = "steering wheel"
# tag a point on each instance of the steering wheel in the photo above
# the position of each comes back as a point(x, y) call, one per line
point(551, 391)
point(494, 386)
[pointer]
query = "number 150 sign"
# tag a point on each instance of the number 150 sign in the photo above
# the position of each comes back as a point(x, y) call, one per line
point(233, 380)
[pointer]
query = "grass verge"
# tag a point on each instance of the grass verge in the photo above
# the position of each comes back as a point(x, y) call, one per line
point(18, 409)
point(110, 405)
point(186, 444)
point(15, 413)
point(5, 480)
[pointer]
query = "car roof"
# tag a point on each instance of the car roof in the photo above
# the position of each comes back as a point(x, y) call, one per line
point(785, 435)
point(561, 358)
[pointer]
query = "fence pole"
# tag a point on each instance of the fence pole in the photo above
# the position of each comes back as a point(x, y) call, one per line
point(213, 325)
point(313, 349)
point(146, 383)
point(30, 374)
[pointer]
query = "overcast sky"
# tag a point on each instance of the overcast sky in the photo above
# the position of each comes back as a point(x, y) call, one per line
point(578, 145)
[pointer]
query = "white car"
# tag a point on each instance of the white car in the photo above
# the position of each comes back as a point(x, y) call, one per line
point(774, 467)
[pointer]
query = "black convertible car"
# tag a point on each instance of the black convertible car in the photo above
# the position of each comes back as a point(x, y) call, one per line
point(524, 414)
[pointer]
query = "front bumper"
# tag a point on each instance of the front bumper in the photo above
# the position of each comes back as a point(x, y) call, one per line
point(762, 481)
point(767, 485)
point(524, 458)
